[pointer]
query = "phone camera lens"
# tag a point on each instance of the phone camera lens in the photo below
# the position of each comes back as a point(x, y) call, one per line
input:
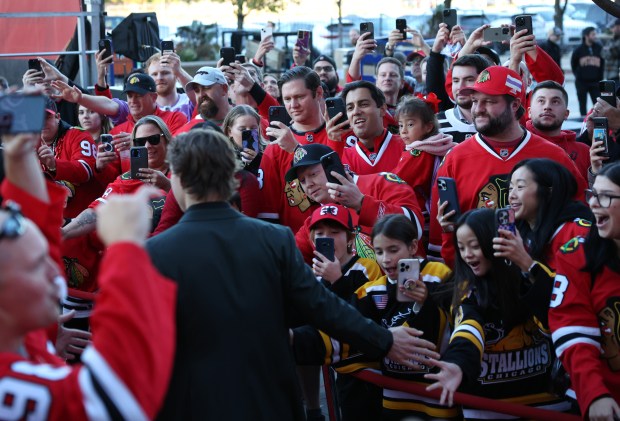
point(520, 21)
point(504, 30)
point(135, 153)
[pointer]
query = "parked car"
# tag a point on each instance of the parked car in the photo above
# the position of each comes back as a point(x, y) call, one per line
point(572, 28)
point(592, 13)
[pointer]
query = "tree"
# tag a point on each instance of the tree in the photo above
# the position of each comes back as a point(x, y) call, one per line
point(244, 7)
point(558, 18)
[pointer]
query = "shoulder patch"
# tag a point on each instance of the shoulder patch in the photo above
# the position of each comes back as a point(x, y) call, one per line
point(572, 245)
point(126, 176)
point(583, 222)
point(415, 152)
point(392, 178)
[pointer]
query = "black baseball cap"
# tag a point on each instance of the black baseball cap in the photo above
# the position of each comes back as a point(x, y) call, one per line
point(140, 83)
point(323, 57)
point(304, 156)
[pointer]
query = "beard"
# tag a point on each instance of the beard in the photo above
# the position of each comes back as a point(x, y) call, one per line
point(331, 83)
point(546, 127)
point(464, 103)
point(495, 125)
point(207, 108)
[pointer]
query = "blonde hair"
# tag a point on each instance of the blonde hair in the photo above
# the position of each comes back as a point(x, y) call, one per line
point(155, 121)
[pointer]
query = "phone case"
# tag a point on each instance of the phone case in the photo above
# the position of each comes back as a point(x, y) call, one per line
point(408, 273)
point(401, 25)
point(303, 40)
point(228, 54)
point(22, 113)
point(325, 246)
point(600, 132)
point(107, 45)
point(106, 140)
point(34, 64)
point(331, 162)
point(265, 33)
point(368, 27)
point(139, 158)
point(450, 17)
point(447, 192)
point(249, 139)
point(334, 106)
point(505, 219)
point(524, 22)
point(167, 47)
point(496, 34)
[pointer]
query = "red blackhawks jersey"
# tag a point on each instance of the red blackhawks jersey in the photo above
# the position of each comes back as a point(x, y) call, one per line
point(584, 316)
point(386, 153)
point(576, 228)
point(384, 194)
point(482, 179)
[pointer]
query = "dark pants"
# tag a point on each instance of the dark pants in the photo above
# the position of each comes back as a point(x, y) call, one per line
point(583, 89)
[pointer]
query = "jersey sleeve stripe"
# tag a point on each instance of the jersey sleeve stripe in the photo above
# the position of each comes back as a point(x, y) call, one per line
point(113, 386)
point(471, 336)
point(575, 330)
point(87, 167)
point(560, 347)
point(93, 404)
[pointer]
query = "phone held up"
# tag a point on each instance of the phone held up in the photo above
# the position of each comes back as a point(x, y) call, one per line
point(22, 113)
point(600, 133)
point(450, 18)
point(447, 193)
point(278, 113)
point(608, 92)
point(138, 158)
point(325, 246)
point(249, 139)
point(106, 44)
point(496, 34)
point(524, 22)
point(35, 64)
point(106, 141)
point(334, 106)
point(303, 40)
point(266, 32)
point(401, 25)
point(408, 274)
point(505, 220)
point(228, 55)
point(167, 47)
point(331, 162)
point(368, 27)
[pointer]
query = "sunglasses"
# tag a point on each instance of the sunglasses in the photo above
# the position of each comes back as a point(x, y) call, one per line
point(152, 139)
point(13, 226)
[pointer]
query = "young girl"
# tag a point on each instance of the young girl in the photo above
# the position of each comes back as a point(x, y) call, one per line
point(240, 118)
point(394, 237)
point(425, 146)
point(94, 123)
point(500, 347)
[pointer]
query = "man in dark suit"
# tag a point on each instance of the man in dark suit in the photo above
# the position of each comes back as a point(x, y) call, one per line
point(241, 284)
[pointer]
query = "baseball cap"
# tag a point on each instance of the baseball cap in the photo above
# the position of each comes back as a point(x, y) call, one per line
point(140, 83)
point(323, 57)
point(304, 156)
point(206, 76)
point(414, 54)
point(50, 106)
point(332, 212)
point(497, 80)
point(491, 53)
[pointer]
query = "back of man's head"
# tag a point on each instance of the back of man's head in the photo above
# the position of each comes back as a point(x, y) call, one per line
point(309, 76)
point(205, 163)
point(473, 60)
point(375, 93)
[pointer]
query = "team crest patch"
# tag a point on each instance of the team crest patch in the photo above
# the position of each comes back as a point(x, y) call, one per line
point(485, 76)
point(133, 80)
point(392, 178)
point(583, 223)
point(572, 245)
point(380, 300)
point(372, 156)
point(415, 152)
point(503, 153)
point(310, 137)
point(299, 154)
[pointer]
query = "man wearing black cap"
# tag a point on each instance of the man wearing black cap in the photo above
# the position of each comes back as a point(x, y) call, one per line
point(611, 53)
point(588, 67)
point(326, 67)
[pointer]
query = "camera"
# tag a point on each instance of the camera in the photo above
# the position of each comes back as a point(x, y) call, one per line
point(441, 184)
point(520, 21)
point(505, 31)
point(135, 153)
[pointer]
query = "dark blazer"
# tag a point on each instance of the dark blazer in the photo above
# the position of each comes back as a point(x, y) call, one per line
point(241, 284)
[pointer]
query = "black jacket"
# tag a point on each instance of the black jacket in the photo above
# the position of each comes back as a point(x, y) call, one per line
point(593, 66)
point(241, 284)
point(554, 51)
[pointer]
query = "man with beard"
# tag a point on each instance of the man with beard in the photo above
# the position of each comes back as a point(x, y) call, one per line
point(486, 159)
point(327, 70)
point(548, 110)
point(211, 90)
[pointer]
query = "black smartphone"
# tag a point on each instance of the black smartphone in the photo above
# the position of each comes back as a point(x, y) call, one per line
point(278, 113)
point(240, 58)
point(447, 192)
point(106, 141)
point(228, 54)
point(22, 113)
point(331, 162)
point(105, 44)
point(167, 47)
point(600, 132)
point(368, 27)
point(139, 158)
point(249, 139)
point(401, 25)
point(325, 246)
point(608, 92)
point(334, 106)
point(505, 220)
point(450, 18)
point(524, 22)
point(496, 34)
point(35, 64)
point(303, 40)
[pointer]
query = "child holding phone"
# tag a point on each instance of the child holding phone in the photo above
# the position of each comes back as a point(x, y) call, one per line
point(240, 118)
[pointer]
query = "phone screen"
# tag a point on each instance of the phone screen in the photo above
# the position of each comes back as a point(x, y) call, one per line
point(249, 139)
point(27, 113)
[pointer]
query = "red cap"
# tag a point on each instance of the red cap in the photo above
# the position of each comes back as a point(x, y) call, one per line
point(333, 212)
point(497, 80)
point(413, 54)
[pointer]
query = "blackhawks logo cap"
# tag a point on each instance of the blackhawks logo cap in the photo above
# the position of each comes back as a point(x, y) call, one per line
point(305, 156)
point(497, 80)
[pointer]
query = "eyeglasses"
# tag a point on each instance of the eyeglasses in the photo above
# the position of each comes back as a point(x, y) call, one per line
point(152, 139)
point(603, 199)
point(13, 226)
point(326, 69)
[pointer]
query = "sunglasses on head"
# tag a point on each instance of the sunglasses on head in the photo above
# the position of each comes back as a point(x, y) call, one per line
point(152, 139)
point(13, 226)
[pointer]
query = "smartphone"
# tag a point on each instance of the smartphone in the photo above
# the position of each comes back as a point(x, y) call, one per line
point(496, 34)
point(228, 54)
point(240, 58)
point(139, 158)
point(325, 246)
point(278, 113)
point(266, 32)
point(368, 27)
point(22, 113)
point(331, 162)
point(450, 18)
point(334, 106)
point(600, 132)
point(167, 47)
point(249, 139)
point(401, 25)
point(303, 40)
point(105, 44)
point(106, 141)
point(408, 274)
point(505, 220)
point(524, 22)
point(35, 64)
point(608, 92)
point(447, 192)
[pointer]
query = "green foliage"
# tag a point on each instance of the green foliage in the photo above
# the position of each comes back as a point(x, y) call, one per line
point(199, 42)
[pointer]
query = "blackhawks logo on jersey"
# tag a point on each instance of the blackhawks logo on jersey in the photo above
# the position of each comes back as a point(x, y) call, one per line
point(583, 222)
point(415, 152)
point(295, 195)
point(494, 194)
point(572, 245)
point(392, 178)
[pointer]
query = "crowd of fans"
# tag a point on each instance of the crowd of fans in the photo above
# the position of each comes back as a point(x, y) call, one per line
point(501, 311)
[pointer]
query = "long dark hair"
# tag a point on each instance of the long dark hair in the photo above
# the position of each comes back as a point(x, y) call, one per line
point(601, 252)
point(397, 227)
point(498, 290)
point(556, 189)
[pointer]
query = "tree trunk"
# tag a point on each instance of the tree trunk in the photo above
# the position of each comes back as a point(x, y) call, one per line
point(558, 18)
point(240, 15)
point(447, 4)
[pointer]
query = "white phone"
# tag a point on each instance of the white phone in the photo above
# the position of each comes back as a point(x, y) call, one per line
point(408, 274)
point(266, 32)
